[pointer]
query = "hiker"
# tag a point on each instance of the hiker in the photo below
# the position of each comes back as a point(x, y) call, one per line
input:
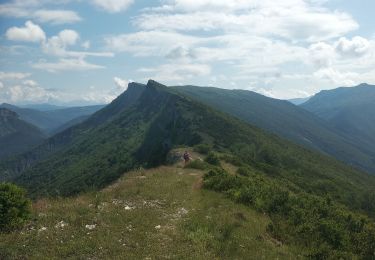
point(186, 157)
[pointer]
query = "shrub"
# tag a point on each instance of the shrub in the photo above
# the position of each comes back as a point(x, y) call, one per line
point(244, 171)
point(212, 158)
point(14, 207)
point(202, 148)
point(197, 164)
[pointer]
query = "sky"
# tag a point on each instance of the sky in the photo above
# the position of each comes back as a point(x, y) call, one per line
point(85, 52)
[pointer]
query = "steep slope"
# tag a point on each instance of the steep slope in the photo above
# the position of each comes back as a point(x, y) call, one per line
point(350, 111)
point(50, 120)
point(16, 136)
point(69, 124)
point(10, 169)
point(286, 120)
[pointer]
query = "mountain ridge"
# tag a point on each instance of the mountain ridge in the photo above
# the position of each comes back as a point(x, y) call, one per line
point(286, 120)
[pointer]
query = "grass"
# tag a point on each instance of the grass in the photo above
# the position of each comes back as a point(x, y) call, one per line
point(161, 213)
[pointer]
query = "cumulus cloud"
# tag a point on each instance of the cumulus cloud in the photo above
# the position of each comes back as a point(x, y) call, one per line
point(18, 89)
point(57, 46)
point(29, 33)
point(357, 46)
point(113, 6)
point(122, 84)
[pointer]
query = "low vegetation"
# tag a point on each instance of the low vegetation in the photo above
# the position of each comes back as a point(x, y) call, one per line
point(158, 213)
point(321, 227)
point(14, 207)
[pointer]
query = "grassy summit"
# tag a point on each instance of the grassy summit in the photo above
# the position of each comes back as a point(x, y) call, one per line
point(156, 213)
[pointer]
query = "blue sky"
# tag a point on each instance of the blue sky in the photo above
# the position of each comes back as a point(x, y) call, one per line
point(85, 52)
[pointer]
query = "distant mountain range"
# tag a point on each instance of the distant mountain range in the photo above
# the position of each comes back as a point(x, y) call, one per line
point(16, 135)
point(43, 107)
point(48, 118)
point(298, 101)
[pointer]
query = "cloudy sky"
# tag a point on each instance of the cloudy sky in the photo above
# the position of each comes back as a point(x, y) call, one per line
point(81, 51)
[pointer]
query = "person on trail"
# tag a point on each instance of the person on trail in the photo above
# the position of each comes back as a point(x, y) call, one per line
point(186, 157)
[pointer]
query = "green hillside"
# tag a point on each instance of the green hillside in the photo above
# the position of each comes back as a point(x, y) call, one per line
point(313, 202)
point(286, 120)
point(16, 136)
point(350, 111)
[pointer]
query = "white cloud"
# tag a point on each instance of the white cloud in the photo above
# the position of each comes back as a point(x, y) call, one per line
point(86, 45)
point(148, 43)
point(113, 6)
point(357, 46)
point(175, 72)
point(291, 19)
point(56, 16)
point(338, 78)
point(30, 33)
point(121, 84)
point(66, 65)
point(30, 82)
point(56, 45)
point(25, 91)
point(33, 10)
point(13, 75)
point(321, 54)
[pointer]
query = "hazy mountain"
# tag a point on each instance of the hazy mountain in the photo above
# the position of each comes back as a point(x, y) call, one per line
point(43, 107)
point(298, 101)
point(286, 120)
point(50, 120)
point(16, 136)
point(350, 111)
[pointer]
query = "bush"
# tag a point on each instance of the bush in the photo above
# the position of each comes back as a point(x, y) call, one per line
point(197, 164)
point(14, 207)
point(202, 148)
point(244, 171)
point(212, 158)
